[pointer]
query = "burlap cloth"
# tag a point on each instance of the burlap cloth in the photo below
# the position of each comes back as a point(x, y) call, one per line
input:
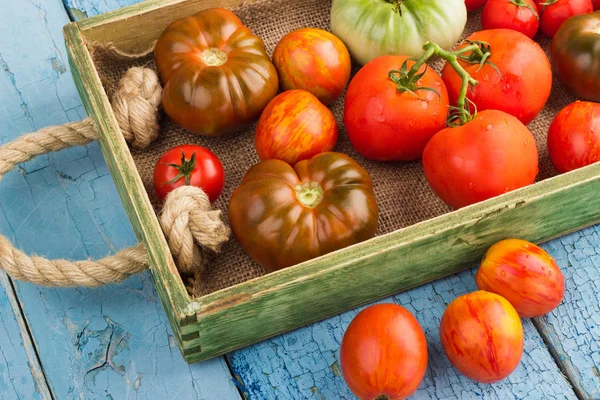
point(402, 191)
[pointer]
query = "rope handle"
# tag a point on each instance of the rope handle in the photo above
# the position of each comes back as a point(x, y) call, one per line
point(186, 217)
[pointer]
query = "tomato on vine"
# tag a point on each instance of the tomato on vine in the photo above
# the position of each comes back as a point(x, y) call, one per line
point(481, 154)
point(513, 72)
point(554, 12)
point(189, 165)
point(518, 15)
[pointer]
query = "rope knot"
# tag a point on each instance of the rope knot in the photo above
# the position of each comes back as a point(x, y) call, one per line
point(187, 217)
point(135, 104)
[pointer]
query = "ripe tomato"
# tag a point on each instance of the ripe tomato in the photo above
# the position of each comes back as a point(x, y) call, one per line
point(295, 126)
point(314, 60)
point(189, 165)
point(482, 336)
point(490, 155)
point(524, 274)
point(518, 15)
point(385, 124)
point(596, 4)
point(554, 12)
point(383, 353)
point(473, 5)
point(573, 46)
point(574, 136)
point(217, 75)
point(282, 216)
point(523, 85)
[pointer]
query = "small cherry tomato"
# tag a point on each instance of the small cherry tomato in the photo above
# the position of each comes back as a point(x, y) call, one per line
point(490, 155)
point(518, 15)
point(473, 5)
point(516, 77)
point(387, 124)
point(314, 60)
point(295, 126)
point(554, 12)
point(482, 335)
point(524, 274)
point(574, 136)
point(189, 165)
point(383, 353)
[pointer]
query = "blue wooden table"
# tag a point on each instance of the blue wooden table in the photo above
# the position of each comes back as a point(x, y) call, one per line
point(114, 342)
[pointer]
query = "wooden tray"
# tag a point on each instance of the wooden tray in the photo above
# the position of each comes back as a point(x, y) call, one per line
point(237, 316)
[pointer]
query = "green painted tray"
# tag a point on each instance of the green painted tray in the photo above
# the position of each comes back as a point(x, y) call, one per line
point(247, 312)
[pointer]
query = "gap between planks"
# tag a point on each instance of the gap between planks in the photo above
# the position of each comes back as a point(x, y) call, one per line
point(37, 371)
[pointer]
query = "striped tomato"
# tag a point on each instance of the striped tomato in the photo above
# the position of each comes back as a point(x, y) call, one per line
point(295, 126)
point(482, 336)
point(314, 60)
point(523, 274)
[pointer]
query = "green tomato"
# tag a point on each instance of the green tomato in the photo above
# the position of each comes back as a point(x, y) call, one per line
point(373, 28)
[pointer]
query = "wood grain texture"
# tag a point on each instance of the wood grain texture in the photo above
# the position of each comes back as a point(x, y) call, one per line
point(81, 9)
point(93, 343)
point(573, 329)
point(304, 364)
point(21, 375)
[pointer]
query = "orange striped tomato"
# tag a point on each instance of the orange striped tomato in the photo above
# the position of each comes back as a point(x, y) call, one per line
point(314, 60)
point(482, 336)
point(524, 274)
point(295, 126)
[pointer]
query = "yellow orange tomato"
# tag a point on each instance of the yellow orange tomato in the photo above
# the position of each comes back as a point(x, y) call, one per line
point(314, 60)
point(482, 336)
point(524, 274)
point(295, 126)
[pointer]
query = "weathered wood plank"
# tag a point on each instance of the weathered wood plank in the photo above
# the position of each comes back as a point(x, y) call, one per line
point(573, 329)
point(93, 343)
point(304, 364)
point(21, 376)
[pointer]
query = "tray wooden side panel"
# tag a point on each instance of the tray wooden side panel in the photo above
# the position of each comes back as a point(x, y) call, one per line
point(410, 257)
point(127, 180)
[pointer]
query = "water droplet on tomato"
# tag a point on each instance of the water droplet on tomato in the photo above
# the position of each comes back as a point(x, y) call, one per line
point(471, 185)
point(527, 255)
point(424, 104)
point(505, 87)
point(543, 268)
point(525, 269)
point(489, 127)
point(594, 158)
point(503, 273)
point(526, 143)
point(411, 123)
point(549, 272)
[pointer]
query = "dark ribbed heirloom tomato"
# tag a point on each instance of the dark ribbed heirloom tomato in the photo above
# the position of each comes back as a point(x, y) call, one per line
point(516, 79)
point(383, 353)
point(216, 74)
point(386, 123)
point(482, 336)
point(295, 126)
point(283, 215)
point(575, 53)
point(314, 60)
point(524, 274)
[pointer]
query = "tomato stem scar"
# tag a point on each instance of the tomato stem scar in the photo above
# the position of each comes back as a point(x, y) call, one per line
point(310, 194)
point(213, 57)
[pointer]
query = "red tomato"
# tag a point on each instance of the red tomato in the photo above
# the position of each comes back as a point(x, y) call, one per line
point(554, 12)
point(490, 155)
point(518, 15)
point(385, 124)
point(574, 136)
point(383, 353)
point(314, 60)
point(523, 85)
point(189, 165)
point(524, 274)
point(596, 4)
point(295, 126)
point(473, 5)
point(482, 336)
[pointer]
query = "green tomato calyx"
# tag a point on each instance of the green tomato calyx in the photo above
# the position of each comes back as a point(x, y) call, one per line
point(310, 194)
point(523, 3)
point(406, 80)
point(185, 169)
point(396, 5)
